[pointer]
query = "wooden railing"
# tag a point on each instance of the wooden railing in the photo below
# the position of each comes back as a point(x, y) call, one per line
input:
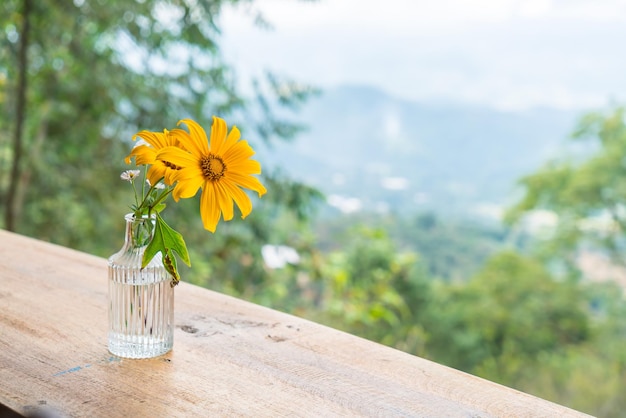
point(230, 357)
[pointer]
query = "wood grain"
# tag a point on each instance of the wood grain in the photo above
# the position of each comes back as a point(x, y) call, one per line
point(230, 357)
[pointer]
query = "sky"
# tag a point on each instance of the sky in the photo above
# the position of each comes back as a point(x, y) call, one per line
point(505, 54)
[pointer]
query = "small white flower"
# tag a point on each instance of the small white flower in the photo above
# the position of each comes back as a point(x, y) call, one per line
point(159, 185)
point(130, 175)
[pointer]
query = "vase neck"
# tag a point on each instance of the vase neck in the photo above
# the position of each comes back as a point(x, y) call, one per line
point(139, 231)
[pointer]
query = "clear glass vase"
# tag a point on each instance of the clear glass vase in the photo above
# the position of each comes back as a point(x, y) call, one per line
point(141, 301)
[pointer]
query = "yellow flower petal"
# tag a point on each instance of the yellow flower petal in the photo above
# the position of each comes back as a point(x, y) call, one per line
point(177, 157)
point(246, 167)
point(156, 139)
point(185, 174)
point(240, 197)
point(209, 210)
point(180, 137)
point(143, 155)
point(231, 139)
point(219, 129)
point(224, 201)
point(187, 188)
point(239, 151)
point(197, 142)
point(247, 182)
point(156, 172)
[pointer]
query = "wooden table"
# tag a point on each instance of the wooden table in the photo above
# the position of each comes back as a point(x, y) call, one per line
point(230, 357)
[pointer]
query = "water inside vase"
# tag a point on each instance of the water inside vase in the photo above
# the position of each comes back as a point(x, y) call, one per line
point(141, 312)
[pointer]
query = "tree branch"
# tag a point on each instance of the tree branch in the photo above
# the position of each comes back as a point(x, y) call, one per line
point(11, 214)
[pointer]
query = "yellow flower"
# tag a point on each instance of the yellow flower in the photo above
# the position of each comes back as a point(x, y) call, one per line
point(145, 154)
point(221, 168)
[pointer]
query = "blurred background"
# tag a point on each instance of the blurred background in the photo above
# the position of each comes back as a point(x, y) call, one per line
point(445, 178)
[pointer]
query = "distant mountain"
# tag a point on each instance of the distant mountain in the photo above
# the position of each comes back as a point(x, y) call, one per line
point(377, 152)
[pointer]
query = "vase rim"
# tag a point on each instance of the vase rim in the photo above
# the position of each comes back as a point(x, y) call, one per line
point(130, 217)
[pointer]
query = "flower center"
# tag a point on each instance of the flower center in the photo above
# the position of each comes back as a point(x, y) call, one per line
point(213, 167)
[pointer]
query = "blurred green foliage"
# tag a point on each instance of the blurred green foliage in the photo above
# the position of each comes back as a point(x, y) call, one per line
point(454, 291)
point(587, 189)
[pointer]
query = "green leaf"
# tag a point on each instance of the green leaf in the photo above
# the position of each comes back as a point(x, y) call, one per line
point(166, 241)
point(159, 208)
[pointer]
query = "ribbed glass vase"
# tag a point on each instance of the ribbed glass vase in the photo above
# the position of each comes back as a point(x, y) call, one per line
point(141, 301)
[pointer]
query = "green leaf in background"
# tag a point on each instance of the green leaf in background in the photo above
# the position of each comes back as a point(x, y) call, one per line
point(166, 241)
